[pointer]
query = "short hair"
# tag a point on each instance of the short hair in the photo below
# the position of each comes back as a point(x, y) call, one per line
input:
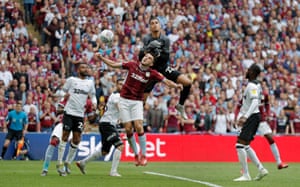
point(78, 64)
point(255, 69)
point(153, 18)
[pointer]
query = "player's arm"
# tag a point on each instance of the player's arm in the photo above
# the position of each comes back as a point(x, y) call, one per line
point(172, 84)
point(109, 62)
point(25, 124)
point(251, 109)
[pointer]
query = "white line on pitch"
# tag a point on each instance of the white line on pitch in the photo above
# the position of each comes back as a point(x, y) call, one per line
point(182, 178)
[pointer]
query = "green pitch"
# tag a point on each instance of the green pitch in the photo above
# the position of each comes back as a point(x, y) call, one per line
point(156, 174)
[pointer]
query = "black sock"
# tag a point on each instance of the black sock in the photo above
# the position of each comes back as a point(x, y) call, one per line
point(184, 94)
point(3, 151)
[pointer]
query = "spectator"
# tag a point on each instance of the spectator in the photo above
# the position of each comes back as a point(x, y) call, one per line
point(155, 118)
point(282, 124)
point(33, 120)
point(295, 120)
point(47, 118)
point(220, 122)
point(173, 119)
point(188, 125)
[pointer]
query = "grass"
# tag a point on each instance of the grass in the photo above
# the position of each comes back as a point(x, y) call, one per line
point(27, 173)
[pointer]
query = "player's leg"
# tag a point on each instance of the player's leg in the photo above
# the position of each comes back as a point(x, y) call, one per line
point(4, 148)
point(126, 118)
point(180, 78)
point(81, 164)
point(72, 151)
point(67, 127)
point(137, 114)
point(112, 137)
point(8, 138)
point(142, 141)
point(49, 154)
point(265, 130)
point(242, 156)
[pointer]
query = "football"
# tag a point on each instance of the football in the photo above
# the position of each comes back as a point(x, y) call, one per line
point(106, 36)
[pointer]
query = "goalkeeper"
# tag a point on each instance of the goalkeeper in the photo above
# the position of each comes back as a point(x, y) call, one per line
point(158, 44)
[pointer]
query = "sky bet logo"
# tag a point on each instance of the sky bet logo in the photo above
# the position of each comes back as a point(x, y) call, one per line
point(153, 149)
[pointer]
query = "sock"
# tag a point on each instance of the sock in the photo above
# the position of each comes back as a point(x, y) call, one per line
point(275, 153)
point(132, 143)
point(3, 151)
point(115, 161)
point(242, 155)
point(96, 154)
point(72, 153)
point(253, 157)
point(184, 94)
point(142, 142)
point(48, 157)
point(61, 151)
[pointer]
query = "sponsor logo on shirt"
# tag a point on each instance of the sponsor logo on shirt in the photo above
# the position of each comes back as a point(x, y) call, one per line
point(139, 78)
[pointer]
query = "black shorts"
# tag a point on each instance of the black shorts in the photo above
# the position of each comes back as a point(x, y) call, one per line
point(250, 127)
point(170, 73)
point(11, 134)
point(109, 136)
point(72, 123)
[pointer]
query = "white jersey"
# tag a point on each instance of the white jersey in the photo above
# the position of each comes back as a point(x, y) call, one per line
point(79, 90)
point(252, 91)
point(111, 113)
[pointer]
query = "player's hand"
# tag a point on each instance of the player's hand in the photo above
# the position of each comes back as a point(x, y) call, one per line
point(179, 86)
point(154, 44)
point(241, 121)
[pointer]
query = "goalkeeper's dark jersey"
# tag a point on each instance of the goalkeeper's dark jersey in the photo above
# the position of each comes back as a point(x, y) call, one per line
point(161, 63)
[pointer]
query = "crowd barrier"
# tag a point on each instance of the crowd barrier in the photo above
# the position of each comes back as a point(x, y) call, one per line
point(173, 148)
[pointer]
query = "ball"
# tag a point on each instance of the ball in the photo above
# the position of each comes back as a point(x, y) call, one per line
point(106, 36)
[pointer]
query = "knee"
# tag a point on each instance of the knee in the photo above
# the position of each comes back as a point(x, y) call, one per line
point(120, 148)
point(54, 141)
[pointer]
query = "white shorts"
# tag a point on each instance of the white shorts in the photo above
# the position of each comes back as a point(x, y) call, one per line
point(131, 110)
point(58, 131)
point(264, 128)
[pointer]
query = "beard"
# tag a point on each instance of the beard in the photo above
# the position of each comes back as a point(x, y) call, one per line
point(83, 74)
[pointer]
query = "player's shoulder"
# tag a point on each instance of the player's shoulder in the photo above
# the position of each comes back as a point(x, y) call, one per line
point(164, 37)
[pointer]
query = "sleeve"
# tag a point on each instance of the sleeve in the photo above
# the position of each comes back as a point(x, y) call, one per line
point(127, 65)
point(115, 98)
point(67, 85)
point(253, 92)
point(157, 76)
point(25, 119)
point(93, 93)
point(8, 117)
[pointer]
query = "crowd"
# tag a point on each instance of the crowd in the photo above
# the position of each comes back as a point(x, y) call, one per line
point(212, 41)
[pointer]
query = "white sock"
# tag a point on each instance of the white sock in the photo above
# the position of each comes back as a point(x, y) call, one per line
point(253, 157)
point(61, 151)
point(275, 152)
point(242, 155)
point(96, 154)
point(115, 161)
point(72, 153)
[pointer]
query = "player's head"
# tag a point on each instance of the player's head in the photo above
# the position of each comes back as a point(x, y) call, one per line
point(19, 106)
point(154, 24)
point(120, 82)
point(253, 72)
point(148, 60)
point(82, 69)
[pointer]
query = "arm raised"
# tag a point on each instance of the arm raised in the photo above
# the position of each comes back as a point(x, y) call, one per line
point(109, 62)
